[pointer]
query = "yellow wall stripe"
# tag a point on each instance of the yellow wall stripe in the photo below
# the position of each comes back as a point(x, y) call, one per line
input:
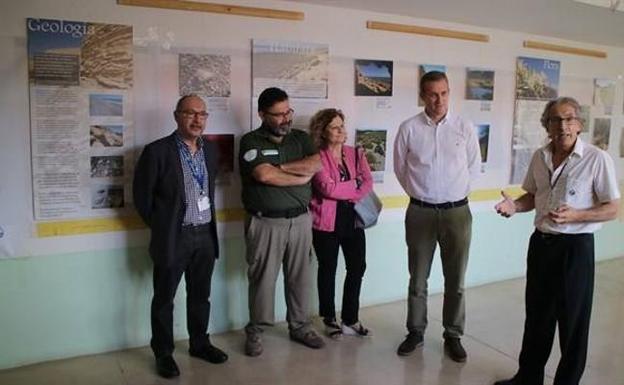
point(236, 214)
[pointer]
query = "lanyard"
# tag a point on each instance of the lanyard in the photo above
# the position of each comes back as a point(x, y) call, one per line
point(196, 170)
point(554, 184)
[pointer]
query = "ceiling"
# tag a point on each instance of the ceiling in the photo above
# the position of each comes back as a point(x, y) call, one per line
point(565, 19)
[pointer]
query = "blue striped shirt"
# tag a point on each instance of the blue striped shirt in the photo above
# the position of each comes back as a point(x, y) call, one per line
point(192, 190)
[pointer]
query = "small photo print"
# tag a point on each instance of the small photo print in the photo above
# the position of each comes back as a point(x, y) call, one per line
point(106, 135)
point(107, 166)
point(105, 105)
point(586, 117)
point(602, 130)
point(373, 78)
point(483, 133)
point(479, 84)
point(107, 197)
point(373, 142)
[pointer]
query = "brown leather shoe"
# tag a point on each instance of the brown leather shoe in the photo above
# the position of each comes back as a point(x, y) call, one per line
point(454, 349)
point(309, 338)
point(253, 344)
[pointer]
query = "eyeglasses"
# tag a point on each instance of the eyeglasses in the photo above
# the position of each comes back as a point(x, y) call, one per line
point(283, 115)
point(558, 120)
point(192, 114)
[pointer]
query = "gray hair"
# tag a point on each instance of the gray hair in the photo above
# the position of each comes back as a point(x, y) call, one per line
point(558, 102)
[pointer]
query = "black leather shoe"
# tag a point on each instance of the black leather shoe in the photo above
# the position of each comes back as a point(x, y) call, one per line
point(210, 353)
point(454, 349)
point(412, 341)
point(166, 367)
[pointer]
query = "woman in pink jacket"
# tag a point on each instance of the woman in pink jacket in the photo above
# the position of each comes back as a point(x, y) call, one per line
point(336, 188)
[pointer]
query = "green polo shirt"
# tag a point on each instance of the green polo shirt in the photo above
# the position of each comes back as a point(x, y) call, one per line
point(256, 148)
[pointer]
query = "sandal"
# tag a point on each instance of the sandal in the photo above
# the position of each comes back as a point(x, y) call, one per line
point(357, 329)
point(332, 329)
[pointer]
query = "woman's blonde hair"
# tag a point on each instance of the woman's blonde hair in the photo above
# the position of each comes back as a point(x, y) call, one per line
point(319, 122)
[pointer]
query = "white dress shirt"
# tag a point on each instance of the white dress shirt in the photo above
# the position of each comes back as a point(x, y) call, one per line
point(433, 162)
point(584, 179)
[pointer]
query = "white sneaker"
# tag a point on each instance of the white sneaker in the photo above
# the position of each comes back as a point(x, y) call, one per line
point(356, 330)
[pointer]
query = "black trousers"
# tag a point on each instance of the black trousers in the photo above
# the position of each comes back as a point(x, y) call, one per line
point(195, 259)
point(326, 246)
point(559, 291)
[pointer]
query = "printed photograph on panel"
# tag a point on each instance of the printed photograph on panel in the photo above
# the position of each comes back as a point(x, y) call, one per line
point(585, 118)
point(604, 94)
point(107, 166)
point(602, 130)
point(106, 57)
point(373, 77)
point(106, 135)
point(225, 160)
point(300, 69)
point(107, 197)
point(479, 84)
point(374, 144)
point(205, 75)
point(483, 133)
point(105, 105)
point(537, 79)
point(54, 57)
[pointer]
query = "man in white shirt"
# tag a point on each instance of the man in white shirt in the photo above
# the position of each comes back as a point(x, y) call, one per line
point(573, 188)
point(436, 155)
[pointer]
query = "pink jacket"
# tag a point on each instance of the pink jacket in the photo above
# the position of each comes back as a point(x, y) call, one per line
point(327, 188)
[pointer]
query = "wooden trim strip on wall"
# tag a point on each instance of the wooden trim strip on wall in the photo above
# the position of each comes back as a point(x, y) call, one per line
point(215, 8)
point(564, 49)
point(428, 31)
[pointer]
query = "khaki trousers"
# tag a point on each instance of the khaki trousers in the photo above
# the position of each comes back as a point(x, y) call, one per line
point(273, 243)
point(425, 228)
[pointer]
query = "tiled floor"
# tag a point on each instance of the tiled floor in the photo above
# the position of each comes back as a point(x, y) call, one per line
point(495, 318)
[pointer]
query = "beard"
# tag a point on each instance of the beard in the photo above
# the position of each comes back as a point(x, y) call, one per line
point(280, 129)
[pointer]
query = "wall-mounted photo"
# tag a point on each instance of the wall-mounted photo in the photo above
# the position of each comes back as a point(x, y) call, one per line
point(106, 57)
point(106, 135)
point(604, 94)
point(479, 84)
point(301, 69)
point(107, 196)
point(483, 133)
point(373, 77)
point(107, 166)
point(586, 117)
point(537, 79)
point(225, 160)
point(206, 75)
point(374, 144)
point(602, 130)
point(105, 105)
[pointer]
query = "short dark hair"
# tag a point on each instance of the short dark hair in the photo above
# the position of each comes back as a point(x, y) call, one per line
point(269, 97)
point(558, 102)
point(184, 97)
point(431, 76)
